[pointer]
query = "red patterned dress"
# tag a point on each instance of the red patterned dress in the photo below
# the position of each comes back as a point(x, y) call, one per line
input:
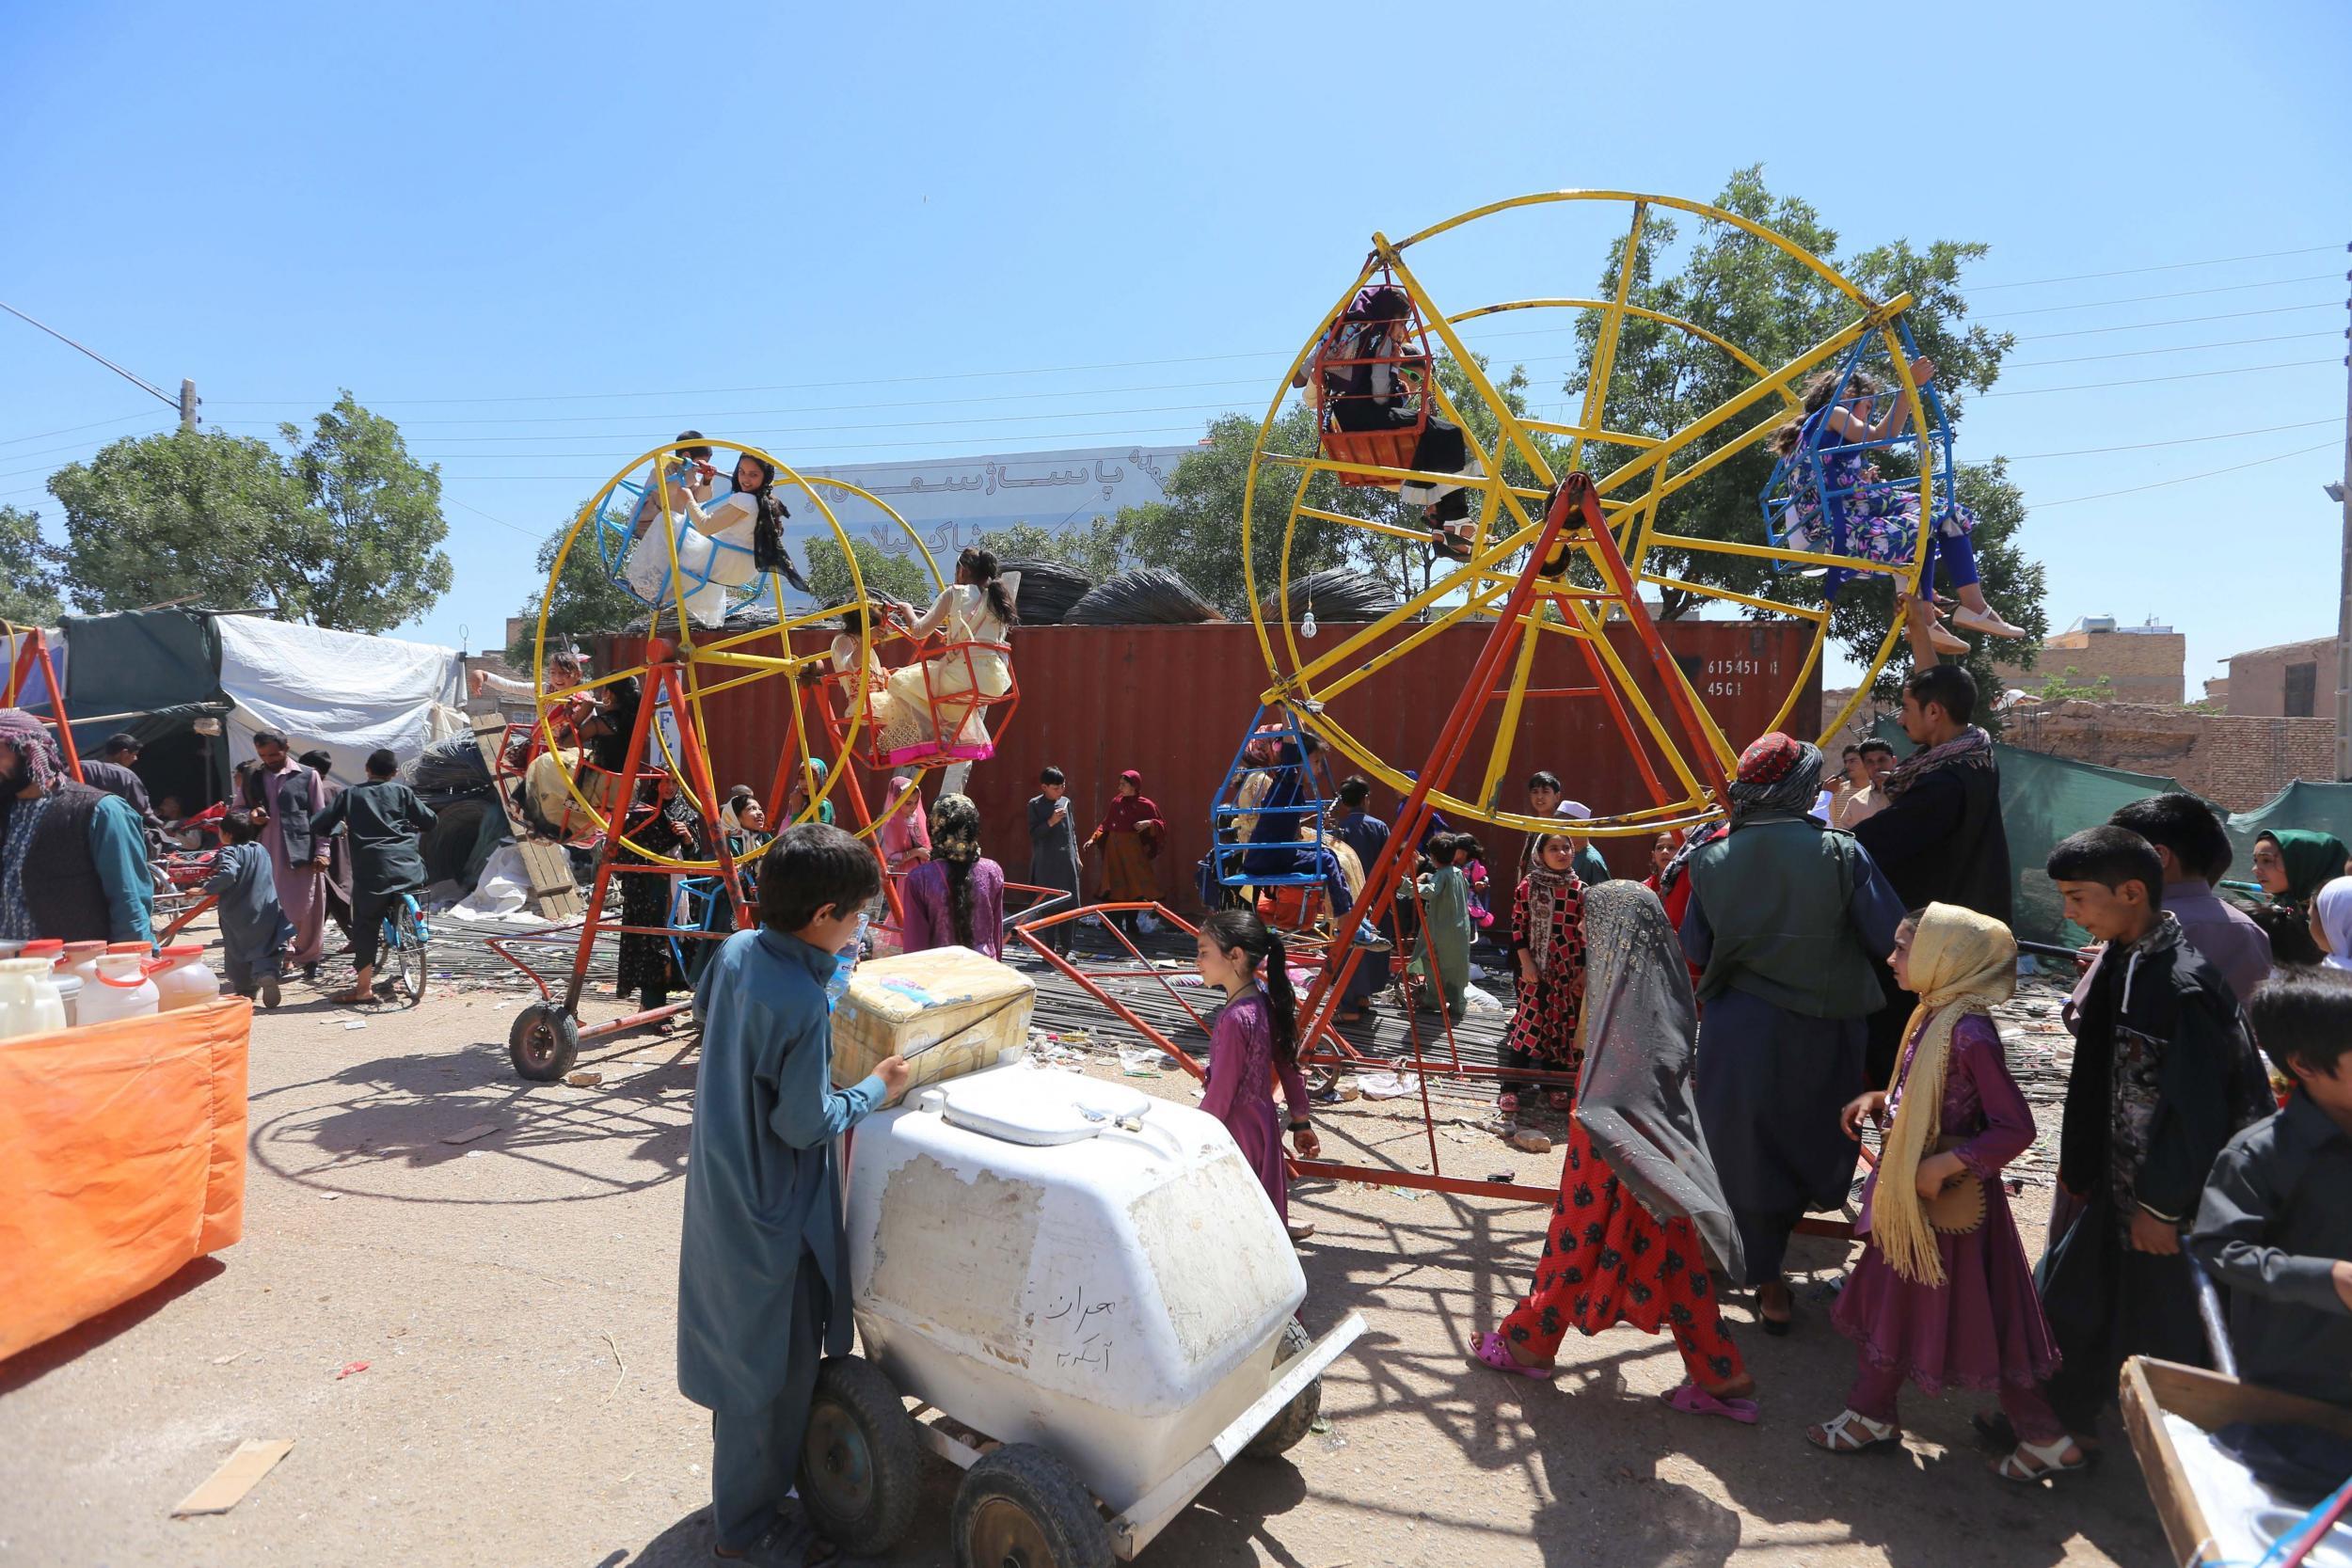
point(1607, 1262)
point(1543, 1029)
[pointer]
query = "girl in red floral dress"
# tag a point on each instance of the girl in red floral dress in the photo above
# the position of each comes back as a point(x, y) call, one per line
point(1641, 1216)
point(1548, 945)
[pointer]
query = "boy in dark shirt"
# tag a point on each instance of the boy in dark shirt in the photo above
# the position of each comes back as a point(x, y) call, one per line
point(2276, 1223)
point(2163, 1075)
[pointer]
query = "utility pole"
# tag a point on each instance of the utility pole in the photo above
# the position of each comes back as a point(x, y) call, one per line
point(188, 400)
point(2343, 491)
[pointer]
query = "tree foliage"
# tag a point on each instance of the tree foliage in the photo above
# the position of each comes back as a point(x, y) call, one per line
point(896, 577)
point(585, 599)
point(28, 579)
point(1101, 549)
point(344, 531)
point(1753, 294)
point(374, 519)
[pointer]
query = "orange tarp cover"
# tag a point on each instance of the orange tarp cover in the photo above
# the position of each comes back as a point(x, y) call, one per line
point(121, 1158)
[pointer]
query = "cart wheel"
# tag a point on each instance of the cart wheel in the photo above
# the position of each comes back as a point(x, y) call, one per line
point(544, 1042)
point(861, 1464)
point(1019, 1507)
point(1283, 1433)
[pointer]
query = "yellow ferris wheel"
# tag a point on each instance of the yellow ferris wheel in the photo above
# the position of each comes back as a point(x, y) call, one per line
point(1603, 545)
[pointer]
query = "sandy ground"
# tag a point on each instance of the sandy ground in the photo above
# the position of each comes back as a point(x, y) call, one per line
point(512, 1295)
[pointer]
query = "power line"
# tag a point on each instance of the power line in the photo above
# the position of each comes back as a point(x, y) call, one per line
point(511, 527)
point(2145, 380)
point(136, 381)
point(119, 419)
point(2167, 266)
point(2177, 441)
point(2178, 294)
point(2185, 479)
point(2176, 348)
point(2180, 321)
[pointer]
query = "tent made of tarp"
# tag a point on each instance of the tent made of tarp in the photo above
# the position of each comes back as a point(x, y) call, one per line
point(2323, 807)
point(28, 687)
point(342, 692)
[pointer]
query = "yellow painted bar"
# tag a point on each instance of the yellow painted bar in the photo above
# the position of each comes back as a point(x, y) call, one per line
point(1367, 524)
point(1773, 552)
point(1802, 611)
point(1604, 362)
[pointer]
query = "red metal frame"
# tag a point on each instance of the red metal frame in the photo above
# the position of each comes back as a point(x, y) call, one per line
point(31, 653)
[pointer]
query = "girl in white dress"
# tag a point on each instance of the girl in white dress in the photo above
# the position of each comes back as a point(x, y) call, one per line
point(977, 608)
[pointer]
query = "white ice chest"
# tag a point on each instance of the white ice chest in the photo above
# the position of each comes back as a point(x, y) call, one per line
point(1058, 1260)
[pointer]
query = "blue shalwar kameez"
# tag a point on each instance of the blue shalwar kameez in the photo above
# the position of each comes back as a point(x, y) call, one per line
point(763, 1265)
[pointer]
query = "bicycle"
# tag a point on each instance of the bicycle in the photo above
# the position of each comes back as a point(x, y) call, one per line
point(407, 946)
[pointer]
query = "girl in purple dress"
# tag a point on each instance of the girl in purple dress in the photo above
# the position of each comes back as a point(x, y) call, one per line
point(1942, 1294)
point(1255, 1041)
point(957, 896)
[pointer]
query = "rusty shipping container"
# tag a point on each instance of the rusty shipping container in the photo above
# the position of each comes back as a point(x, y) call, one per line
point(1172, 702)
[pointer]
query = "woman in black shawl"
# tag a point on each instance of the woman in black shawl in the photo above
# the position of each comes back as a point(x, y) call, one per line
point(1640, 1214)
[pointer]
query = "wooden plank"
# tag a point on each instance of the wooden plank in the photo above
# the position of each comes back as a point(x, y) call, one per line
point(227, 1486)
point(2152, 1388)
point(553, 893)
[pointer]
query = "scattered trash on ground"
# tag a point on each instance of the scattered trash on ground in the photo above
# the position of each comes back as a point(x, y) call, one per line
point(585, 1080)
point(1389, 1085)
point(350, 1369)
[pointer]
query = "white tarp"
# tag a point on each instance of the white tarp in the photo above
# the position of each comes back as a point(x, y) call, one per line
point(342, 690)
point(33, 691)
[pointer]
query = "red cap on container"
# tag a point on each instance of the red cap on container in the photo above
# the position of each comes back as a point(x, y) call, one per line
point(138, 947)
point(183, 950)
point(45, 948)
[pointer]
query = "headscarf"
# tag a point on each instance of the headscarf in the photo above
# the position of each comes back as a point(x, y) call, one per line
point(2313, 859)
point(32, 740)
point(1970, 748)
point(1633, 1099)
point(1961, 962)
point(955, 829)
point(2332, 907)
point(1692, 842)
point(1777, 774)
point(903, 831)
point(1136, 813)
point(1545, 890)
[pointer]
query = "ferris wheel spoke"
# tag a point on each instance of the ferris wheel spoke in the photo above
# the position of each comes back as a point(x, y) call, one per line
point(1805, 612)
point(1581, 433)
point(1508, 425)
point(1388, 655)
point(1604, 362)
point(1776, 552)
point(1755, 392)
point(1394, 530)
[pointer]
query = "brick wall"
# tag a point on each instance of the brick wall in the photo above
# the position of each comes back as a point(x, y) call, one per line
point(2142, 667)
point(2258, 679)
point(2236, 760)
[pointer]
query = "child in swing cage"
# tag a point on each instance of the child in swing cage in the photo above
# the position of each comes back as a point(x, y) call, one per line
point(1374, 372)
point(1836, 491)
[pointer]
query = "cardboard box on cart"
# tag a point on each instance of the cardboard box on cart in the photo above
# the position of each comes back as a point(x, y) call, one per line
point(949, 1010)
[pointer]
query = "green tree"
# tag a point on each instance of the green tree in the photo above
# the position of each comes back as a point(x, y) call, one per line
point(2059, 688)
point(187, 513)
point(1100, 549)
point(343, 532)
point(375, 516)
point(899, 577)
point(28, 579)
point(586, 600)
point(1751, 293)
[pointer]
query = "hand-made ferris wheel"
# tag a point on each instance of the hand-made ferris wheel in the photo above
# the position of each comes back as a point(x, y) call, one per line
point(1539, 557)
point(698, 542)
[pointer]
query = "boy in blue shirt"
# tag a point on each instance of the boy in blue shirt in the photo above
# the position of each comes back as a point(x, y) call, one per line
point(763, 1266)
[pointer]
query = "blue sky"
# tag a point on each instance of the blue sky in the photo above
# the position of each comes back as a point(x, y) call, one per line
point(487, 221)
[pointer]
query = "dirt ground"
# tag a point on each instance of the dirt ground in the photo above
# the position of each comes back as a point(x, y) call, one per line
point(512, 1294)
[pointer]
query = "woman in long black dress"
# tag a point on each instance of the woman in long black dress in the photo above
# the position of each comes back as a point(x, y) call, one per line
point(662, 822)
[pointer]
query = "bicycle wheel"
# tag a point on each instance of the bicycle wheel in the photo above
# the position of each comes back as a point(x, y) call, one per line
point(404, 939)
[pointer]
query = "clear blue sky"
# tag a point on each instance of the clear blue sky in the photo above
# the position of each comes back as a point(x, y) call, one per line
point(483, 219)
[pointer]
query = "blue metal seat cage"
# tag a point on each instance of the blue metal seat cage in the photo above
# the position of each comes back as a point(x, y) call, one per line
point(1803, 473)
point(1293, 798)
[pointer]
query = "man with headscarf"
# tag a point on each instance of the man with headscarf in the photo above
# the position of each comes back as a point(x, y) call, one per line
point(1785, 917)
point(73, 859)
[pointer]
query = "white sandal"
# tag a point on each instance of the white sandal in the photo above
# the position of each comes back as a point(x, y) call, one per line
point(1838, 1437)
point(1988, 621)
point(2028, 1463)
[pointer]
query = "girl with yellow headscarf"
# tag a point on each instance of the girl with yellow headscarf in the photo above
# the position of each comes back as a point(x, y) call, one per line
point(1942, 1295)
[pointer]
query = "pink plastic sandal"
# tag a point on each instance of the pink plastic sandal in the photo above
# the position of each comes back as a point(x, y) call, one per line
point(1491, 1351)
point(1692, 1399)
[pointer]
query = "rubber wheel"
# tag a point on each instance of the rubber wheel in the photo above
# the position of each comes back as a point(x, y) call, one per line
point(544, 1042)
point(411, 971)
point(1022, 1508)
point(861, 1464)
point(1292, 1422)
